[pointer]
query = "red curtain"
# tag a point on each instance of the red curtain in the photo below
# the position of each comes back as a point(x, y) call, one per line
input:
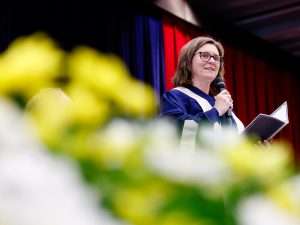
point(176, 34)
point(256, 85)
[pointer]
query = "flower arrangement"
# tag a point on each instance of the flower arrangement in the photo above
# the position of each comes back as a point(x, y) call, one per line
point(81, 145)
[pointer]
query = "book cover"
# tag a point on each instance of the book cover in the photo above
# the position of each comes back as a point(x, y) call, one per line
point(265, 127)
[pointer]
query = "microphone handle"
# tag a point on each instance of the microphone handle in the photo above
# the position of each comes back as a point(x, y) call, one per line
point(229, 111)
point(228, 114)
point(229, 117)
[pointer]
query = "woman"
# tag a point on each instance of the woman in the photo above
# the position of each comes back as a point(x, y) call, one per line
point(196, 99)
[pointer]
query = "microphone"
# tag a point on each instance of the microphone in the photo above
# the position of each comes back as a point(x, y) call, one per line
point(220, 84)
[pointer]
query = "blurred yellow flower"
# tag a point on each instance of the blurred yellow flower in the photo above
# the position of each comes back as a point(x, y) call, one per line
point(141, 204)
point(87, 108)
point(29, 64)
point(107, 76)
point(260, 163)
point(136, 99)
point(103, 73)
point(49, 109)
point(287, 195)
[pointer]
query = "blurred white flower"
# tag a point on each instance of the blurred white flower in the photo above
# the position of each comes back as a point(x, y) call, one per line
point(295, 182)
point(194, 167)
point(37, 188)
point(112, 144)
point(161, 134)
point(259, 210)
point(14, 129)
point(202, 167)
point(226, 138)
point(121, 134)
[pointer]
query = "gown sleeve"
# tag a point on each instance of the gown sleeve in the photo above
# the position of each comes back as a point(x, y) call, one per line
point(181, 107)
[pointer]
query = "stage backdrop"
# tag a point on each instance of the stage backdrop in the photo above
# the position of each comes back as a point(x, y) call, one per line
point(148, 40)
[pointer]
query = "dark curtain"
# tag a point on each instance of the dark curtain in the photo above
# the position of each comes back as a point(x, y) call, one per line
point(70, 23)
point(130, 29)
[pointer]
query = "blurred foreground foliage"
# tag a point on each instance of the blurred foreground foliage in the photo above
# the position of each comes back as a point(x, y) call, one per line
point(84, 106)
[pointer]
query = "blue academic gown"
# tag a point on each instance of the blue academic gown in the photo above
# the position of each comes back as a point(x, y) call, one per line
point(180, 107)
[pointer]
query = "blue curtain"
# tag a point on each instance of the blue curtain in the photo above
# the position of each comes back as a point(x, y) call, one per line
point(142, 49)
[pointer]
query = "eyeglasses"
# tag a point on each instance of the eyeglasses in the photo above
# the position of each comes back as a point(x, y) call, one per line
point(205, 56)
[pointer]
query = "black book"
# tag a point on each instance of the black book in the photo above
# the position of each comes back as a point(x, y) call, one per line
point(265, 127)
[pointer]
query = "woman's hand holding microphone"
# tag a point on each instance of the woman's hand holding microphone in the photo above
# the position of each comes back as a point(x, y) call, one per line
point(223, 102)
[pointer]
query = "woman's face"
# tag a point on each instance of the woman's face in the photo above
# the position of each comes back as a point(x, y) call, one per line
point(205, 70)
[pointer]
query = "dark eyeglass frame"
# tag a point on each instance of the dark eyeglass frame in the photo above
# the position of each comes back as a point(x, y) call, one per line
point(217, 58)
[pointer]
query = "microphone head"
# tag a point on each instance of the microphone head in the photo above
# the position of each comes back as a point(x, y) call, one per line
point(221, 86)
point(219, 83)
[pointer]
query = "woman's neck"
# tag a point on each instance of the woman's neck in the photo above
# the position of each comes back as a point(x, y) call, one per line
point(203, 86)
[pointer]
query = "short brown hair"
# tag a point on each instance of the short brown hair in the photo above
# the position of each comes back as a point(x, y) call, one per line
point(183, 74)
